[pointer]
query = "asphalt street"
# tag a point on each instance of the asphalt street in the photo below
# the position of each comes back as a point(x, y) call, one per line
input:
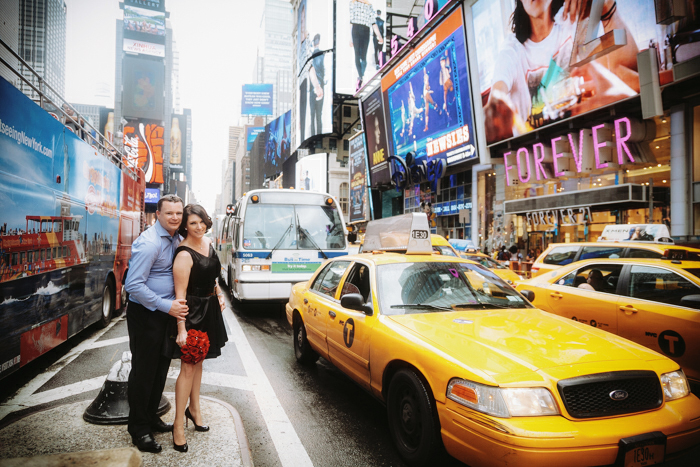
point(293, 415)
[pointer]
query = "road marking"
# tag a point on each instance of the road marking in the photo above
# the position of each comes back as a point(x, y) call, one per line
point(108, 342)
point(218, 379)
point(288, 445)
point(22, 397)
point(65, 391)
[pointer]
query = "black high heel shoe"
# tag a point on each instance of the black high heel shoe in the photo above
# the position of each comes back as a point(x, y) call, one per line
point(196, 427)
point(179, 447)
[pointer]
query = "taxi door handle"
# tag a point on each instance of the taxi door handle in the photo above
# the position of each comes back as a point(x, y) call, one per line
point(306, 301)
point(628, 309)
point(341, 322)
point(331, 314)
point(556, 295)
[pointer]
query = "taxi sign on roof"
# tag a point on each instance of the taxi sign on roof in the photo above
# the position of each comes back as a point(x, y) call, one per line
point(409, 233)
point(636, 233)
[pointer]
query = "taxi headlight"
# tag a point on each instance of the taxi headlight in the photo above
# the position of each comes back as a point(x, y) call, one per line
point(675, 385)
point(502, 402)
point(529, 402)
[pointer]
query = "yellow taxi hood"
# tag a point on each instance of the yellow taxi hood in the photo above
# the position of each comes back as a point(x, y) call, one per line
point(516, 341)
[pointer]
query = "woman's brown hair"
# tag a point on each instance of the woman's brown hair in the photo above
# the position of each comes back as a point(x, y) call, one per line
point(197, 210)
point(520, 20)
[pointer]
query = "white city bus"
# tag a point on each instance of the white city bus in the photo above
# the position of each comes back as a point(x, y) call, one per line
point(273, 239)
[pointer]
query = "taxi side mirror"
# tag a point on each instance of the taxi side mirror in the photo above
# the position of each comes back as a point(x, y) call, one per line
point(355, 301)
point(691, 301)
point(529, 294)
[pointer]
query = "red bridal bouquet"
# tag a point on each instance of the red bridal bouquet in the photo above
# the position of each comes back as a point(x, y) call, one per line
point(196, 347)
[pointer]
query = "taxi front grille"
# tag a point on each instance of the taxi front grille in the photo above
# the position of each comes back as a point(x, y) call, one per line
point(591, 396)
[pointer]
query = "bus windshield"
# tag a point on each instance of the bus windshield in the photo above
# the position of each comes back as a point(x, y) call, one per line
point(290, 227)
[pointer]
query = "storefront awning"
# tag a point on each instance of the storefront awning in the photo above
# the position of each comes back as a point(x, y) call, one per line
point(626, 196)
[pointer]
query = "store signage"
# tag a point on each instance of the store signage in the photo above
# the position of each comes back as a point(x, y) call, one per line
point(557, 216)
point(582, 152)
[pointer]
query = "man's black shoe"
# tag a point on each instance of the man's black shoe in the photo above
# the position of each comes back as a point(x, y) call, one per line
point(146, 443)
point(160, 426)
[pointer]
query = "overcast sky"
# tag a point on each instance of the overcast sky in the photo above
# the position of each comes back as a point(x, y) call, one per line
point(216, 40)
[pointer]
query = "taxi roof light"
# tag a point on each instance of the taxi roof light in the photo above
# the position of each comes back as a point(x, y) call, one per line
point(409, 233)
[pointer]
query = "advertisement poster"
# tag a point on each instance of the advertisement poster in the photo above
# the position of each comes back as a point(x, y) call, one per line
point(428, 98)
point(251, 132)
point(314, 94)
point(531, 78)
point(375, 134)
point(360, 31)
point(256, 99)
point(143, 147)
point(145, 21)
point(178, 143)
point(358, 180)
point(312, 173)
point(145, 48)
point(277, 151)
point(143, 88)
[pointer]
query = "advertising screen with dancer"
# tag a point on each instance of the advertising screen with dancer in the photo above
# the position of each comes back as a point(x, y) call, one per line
point(429, 103)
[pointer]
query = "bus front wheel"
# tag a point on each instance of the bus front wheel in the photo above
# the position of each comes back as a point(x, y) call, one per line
point(107, 304)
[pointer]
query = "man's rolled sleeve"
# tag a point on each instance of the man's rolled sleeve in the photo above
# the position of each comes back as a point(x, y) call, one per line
point(143, 255)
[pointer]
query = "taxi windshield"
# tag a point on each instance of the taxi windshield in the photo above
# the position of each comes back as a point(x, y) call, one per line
point(485, 261)
point(405, 288)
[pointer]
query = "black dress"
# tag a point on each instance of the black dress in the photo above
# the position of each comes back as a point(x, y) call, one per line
point(204, 312)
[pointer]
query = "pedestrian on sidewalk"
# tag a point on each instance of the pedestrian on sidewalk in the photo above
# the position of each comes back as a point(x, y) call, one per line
point(203, 333)
point(151, 299)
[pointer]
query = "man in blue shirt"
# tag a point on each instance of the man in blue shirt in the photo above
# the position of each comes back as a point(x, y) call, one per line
point(151, 299)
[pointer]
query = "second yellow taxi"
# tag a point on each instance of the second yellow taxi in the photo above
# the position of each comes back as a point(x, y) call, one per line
point(464, 361)
point(653, 302)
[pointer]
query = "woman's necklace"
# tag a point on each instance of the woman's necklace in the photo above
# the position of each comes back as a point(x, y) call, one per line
point(201, 246)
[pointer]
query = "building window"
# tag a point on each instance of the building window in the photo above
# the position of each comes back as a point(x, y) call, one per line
point(343, 195)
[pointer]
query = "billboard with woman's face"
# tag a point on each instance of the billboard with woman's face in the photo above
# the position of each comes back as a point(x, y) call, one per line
point(541, 61)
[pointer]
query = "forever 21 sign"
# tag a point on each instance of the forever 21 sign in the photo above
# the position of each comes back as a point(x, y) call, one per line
point(557, 216)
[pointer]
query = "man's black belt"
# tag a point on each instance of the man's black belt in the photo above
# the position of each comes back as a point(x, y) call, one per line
point(201, 291)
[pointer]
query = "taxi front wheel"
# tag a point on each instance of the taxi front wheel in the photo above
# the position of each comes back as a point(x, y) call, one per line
point(412, 422)
point(302, 349)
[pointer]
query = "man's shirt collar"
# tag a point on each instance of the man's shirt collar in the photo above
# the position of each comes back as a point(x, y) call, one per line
point(164, 233)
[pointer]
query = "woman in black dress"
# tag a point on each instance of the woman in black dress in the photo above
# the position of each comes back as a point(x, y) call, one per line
point(195, 269)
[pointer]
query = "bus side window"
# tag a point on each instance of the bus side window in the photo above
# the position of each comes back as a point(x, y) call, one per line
point(236, 232)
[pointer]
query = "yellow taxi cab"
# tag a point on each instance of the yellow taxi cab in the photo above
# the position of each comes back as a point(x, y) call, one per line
point(486, 261)
point(441, 246)
point(464, 361)
point(561, 254)
point(653, 302)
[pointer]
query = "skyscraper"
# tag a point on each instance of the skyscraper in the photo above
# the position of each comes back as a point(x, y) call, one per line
point(42, 42)
point(276, 48)
point(9, 27)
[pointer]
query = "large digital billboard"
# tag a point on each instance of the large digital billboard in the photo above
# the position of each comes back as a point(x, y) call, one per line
point(360, 32)
point(312, 173)
point(314, 93)
point(376, 138)
point(144, 20)
point(256, 99)
point(250, 133)
point(144, 48)
point(143, 88)
point(143, 147)
point(178, 142)
point(358, 180)
point(428, 98)
point(277, 144)
point(531, 77)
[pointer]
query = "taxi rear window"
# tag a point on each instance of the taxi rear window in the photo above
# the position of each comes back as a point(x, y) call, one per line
point(642, 253)
point(561, 255)
point(595, 252)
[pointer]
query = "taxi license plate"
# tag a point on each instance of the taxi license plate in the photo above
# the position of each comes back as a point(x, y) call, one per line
point(642, 450)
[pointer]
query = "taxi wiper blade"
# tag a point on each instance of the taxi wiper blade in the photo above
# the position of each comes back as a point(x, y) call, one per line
point(481, 305)
point(422, 305)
